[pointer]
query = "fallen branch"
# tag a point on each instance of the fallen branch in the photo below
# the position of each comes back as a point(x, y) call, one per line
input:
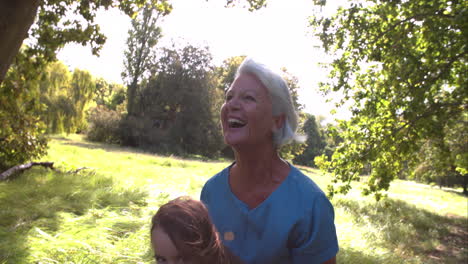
point(77, 170)
point(8, 173)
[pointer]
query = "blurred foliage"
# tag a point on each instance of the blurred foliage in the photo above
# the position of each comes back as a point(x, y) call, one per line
point(251, 4)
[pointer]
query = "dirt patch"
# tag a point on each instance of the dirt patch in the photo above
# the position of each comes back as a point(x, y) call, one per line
point(454, 244)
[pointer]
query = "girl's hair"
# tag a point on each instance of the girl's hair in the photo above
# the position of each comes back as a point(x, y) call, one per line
point(188, 225)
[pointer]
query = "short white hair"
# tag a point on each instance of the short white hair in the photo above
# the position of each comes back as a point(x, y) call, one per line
point(281, 100)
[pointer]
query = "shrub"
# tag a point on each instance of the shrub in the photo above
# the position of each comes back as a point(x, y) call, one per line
point(21, 130)
point(104, 125)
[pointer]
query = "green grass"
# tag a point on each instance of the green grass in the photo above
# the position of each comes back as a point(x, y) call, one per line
point(102, 213)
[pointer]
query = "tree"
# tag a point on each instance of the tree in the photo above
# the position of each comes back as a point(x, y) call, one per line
point(56, 23)
point(293, 85)
point(21, 130)
point(290, 151)
point(21, 134)
point(227, 71)
point(253, 4)
point(315, 142)
point(443, 160)
point(54, 28)
point(82, 92)
point(142, 39)
point(403, 64)
point(176, 111)
point(55, 87)
point(16, 18)
point(109, 95)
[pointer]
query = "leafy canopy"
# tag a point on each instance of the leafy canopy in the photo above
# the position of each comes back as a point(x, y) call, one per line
point(60, 22)
point(403, 64)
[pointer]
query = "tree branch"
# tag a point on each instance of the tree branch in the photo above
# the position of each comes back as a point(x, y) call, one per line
point(22, 167)
point(8, 173)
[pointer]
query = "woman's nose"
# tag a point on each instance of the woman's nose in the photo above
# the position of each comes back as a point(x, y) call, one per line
point(233, 103)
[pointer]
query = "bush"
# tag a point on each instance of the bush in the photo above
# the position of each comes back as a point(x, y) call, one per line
point(21, 130)
point(21, 138)
point(104, 125)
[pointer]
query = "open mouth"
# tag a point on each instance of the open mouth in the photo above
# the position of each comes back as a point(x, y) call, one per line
point(235, 123)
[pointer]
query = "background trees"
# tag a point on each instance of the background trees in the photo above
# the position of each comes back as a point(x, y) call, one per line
point(66, 96)
point(55, 90)
point(403, 64)
point(141, 42)
point(314, 144)
point(22, 129)
point(443, 160)
point(54, 27)
point(176, 111)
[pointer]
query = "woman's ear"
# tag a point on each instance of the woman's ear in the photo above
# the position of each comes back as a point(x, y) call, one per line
point(278, 122)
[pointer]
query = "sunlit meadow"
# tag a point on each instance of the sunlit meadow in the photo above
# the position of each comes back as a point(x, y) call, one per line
point(97, 206)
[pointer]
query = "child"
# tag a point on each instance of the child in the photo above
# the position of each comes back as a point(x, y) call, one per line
point(182, 232)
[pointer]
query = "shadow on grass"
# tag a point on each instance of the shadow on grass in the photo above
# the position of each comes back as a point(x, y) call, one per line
point(118, 148)
point(456, 192)
point(103, 146)
point(97, 145)
point(402, 227)
point(351, 256)
point(37, 197)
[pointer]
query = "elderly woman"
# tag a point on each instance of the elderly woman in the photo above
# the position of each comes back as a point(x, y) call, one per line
point(265, 209)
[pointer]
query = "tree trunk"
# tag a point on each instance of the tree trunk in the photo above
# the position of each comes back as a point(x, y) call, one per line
point(131, 98)
point(16, 17)
point(465, 184)
point(8, 173)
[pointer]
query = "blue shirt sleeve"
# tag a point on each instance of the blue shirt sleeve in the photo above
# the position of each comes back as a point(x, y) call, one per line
point(203, 195)
point(313, 239)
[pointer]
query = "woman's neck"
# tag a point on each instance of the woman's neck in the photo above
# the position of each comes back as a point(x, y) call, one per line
point(256, 174)
point(258, 167)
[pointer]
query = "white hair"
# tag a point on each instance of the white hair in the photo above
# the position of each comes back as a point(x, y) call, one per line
point(280, 97)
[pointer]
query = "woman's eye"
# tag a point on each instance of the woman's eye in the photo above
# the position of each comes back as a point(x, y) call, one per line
point(250, 98)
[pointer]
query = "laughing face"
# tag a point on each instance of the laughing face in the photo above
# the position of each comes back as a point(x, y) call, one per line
point(246, 114)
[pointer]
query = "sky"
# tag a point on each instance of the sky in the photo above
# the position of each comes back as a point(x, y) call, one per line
point(277, 35)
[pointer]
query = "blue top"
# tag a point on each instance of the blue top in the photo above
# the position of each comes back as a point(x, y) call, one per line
point(295, 224)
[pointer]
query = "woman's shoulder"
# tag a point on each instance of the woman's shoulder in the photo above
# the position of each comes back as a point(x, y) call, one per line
point(218, 178)
point(303, 191)
point(302, 181)
point(215, 184)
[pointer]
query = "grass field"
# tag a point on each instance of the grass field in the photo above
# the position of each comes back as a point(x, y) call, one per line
point(101, 214)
